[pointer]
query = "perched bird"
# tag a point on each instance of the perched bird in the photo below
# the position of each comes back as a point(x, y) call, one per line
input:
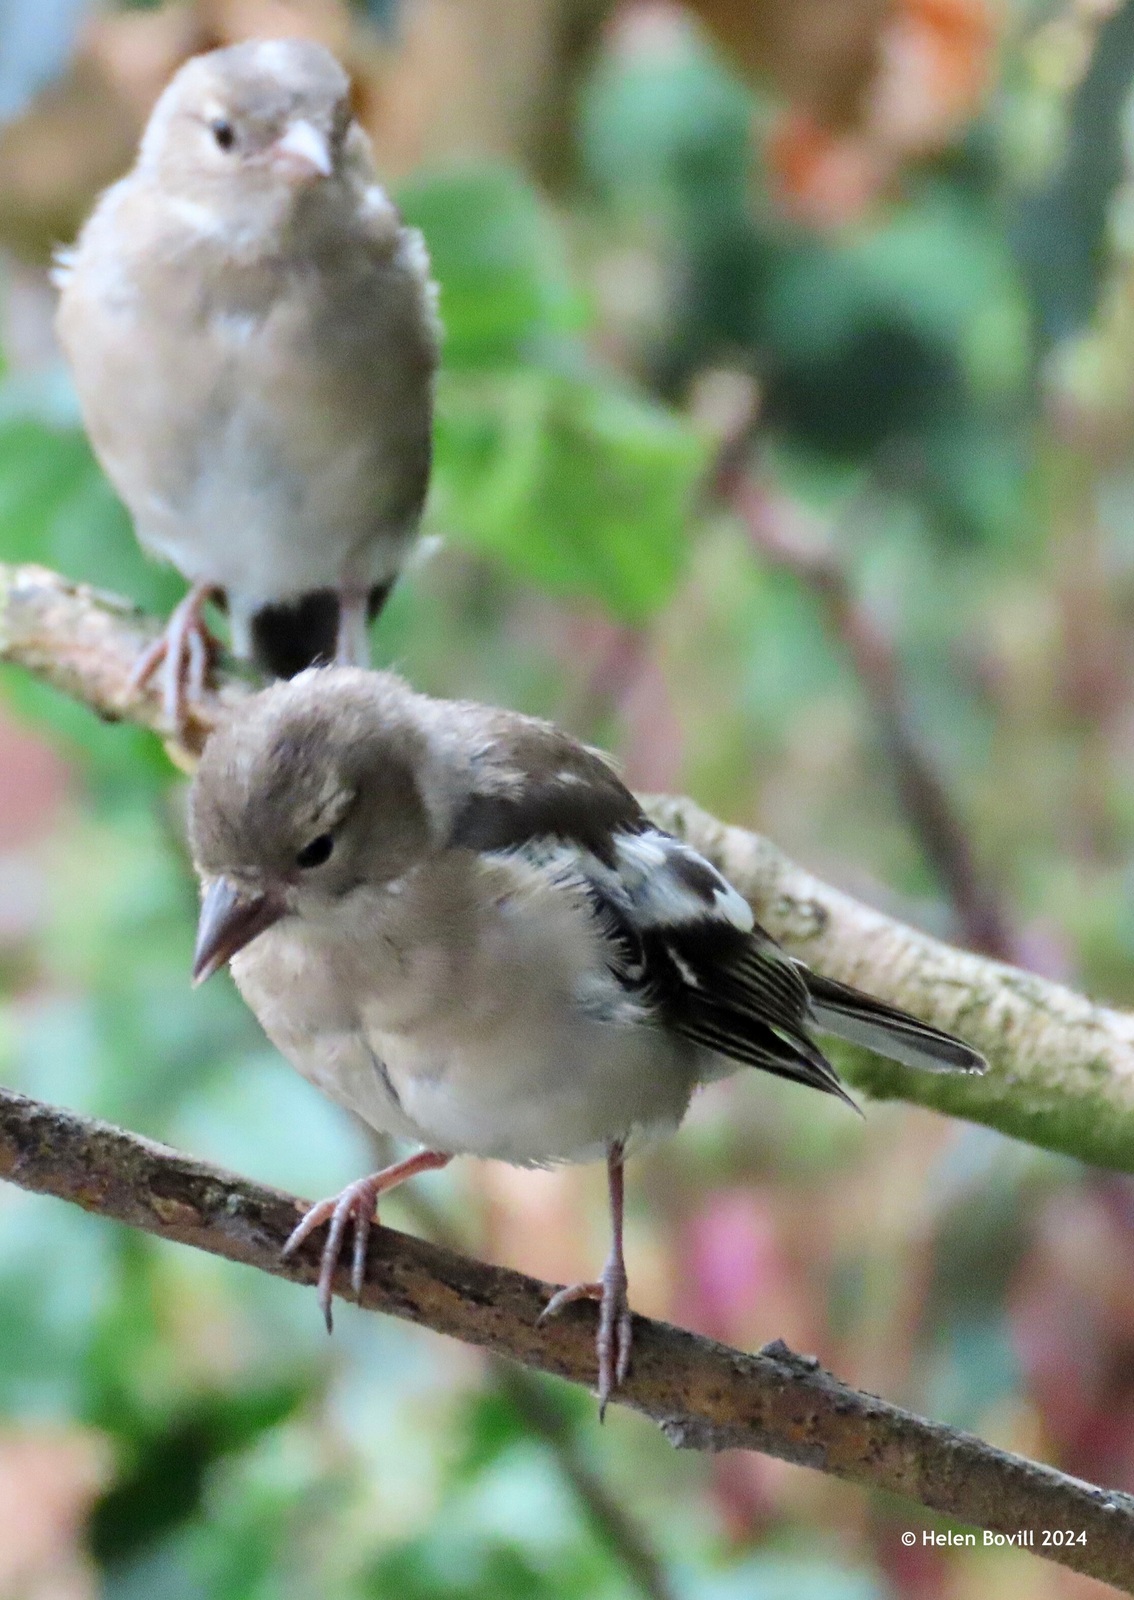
point(253, 335)
point(459, 923)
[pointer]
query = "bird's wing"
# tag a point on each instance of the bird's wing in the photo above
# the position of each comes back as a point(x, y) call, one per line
point(535, 783)
point(710, 972)
point(677, 934)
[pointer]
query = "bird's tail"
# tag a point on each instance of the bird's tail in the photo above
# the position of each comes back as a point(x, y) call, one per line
point(292, 635)
point(860, 1019)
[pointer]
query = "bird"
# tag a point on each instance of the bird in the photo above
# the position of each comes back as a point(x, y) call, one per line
point(458, 922)
point(254, 335)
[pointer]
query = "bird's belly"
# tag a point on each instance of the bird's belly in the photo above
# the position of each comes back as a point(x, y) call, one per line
point(251, 518)
point(246, 459)
point(515, 1043)
point(563, 1095)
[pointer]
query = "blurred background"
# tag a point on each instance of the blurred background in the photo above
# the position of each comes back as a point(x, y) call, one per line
point(785, 446)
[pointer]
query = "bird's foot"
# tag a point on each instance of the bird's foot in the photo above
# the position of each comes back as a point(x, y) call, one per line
point(615, 1335)
point(184, 650)
point(358, 1203)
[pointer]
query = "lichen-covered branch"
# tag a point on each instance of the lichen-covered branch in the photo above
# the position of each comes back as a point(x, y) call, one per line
point(704, 1395)
point(85, 642)
point(1062, 1073)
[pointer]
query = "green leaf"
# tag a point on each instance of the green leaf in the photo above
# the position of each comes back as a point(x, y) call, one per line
point(57, 508)
point(499, 260)
point(581, 487)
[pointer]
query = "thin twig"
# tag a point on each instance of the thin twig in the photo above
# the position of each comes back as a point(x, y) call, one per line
point(702, 1394)
point(786, 535)
point(617, 1528)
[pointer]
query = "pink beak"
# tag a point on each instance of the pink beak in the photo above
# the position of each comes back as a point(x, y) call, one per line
point(302, 153)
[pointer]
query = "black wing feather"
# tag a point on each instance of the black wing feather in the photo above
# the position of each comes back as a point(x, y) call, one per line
point(850, 1014)
point(725, 989)
point(731, 992)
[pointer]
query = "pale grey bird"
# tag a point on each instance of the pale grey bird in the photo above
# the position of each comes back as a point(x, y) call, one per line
point(253, 334)
point(458, 922)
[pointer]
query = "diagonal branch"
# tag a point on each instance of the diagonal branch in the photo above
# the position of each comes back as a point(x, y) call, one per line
point(703, 1395)
point(1062, 1067)
point(85, 642)
point(615, 1526)
point(785, 535)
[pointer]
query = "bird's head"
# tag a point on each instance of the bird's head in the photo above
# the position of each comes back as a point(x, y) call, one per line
point(310, 791)
point(250, 129)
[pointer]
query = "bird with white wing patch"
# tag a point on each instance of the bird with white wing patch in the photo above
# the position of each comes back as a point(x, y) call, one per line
point(458, 922)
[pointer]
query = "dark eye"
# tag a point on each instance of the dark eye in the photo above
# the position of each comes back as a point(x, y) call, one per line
point(315, 853)
point(223, 132)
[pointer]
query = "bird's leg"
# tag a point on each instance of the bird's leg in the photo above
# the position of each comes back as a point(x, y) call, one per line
point(185, 647)
point(615, 1328)
point(352, 641)
point(357, 1202)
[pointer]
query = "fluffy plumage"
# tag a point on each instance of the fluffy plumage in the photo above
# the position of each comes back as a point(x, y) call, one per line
point(458, 922)
point(253, 336)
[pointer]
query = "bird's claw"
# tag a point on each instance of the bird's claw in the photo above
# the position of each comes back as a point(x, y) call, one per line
point(184, 650)
point(614, 1339)
point(357, 1203)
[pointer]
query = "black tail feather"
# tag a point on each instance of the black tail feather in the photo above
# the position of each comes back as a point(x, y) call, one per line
point(296, 634)
point(861, 1019)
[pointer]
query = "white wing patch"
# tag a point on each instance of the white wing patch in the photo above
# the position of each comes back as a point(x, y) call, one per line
point(667, 885)
point(656, 881)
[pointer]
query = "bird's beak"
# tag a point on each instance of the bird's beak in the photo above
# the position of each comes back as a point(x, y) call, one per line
point(302, 153)
point(229, 920)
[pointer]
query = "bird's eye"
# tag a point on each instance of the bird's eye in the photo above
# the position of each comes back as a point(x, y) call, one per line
point(223, 132)
point(315, 853)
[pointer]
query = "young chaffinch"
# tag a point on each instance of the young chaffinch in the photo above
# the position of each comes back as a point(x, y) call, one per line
point(253, 334)
point(459, 923)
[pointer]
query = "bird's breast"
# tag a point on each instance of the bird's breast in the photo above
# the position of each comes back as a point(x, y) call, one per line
point(268, 431)
point(510, 1040)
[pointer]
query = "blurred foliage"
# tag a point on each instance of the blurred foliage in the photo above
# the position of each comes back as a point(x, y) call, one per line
point(563, 472)
point(943, 374)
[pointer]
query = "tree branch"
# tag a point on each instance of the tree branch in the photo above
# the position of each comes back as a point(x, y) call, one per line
point(85, 643)
point(702, 1394)
point(1062, 1067)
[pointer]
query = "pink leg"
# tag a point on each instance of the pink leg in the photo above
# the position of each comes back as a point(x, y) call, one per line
point(357, 1202)
point(615, 1328)
point(185, 648)
point(352, 642)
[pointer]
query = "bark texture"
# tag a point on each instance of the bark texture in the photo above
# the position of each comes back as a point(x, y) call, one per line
point(704, 1395)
